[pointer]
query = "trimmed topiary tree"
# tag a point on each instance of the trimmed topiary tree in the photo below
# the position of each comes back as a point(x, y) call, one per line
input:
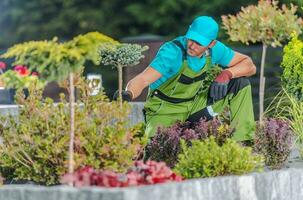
point(265, 23)
point(56, 61)
point(121, 55)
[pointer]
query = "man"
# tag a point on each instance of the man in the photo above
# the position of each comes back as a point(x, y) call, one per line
point(176, 75)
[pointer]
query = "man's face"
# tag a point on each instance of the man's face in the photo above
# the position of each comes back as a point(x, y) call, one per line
point(195, 49)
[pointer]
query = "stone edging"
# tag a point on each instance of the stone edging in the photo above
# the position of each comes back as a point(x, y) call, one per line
point(284, 184)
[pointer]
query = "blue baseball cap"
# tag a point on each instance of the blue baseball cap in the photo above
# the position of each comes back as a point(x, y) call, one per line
point(203, 30)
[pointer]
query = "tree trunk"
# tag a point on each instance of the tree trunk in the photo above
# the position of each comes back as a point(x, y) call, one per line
point(262, 84)
point(72, 124)
point(120, 84)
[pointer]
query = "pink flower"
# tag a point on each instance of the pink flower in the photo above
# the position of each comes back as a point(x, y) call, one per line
point(2, 65)
point(22, 70)
point(35, 74)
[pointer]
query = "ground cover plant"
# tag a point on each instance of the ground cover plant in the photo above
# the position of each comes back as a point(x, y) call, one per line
point(141, 173)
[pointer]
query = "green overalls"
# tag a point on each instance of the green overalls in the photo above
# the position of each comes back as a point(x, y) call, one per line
point(184, 97)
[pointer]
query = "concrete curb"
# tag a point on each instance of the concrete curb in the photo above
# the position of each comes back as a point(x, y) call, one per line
point(273, 185)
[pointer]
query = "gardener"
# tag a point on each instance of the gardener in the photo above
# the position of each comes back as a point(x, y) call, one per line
point(180, 85)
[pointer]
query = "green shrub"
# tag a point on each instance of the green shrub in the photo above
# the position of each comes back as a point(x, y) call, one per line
point(35, 144)
point(292, 64)
point(208, 159)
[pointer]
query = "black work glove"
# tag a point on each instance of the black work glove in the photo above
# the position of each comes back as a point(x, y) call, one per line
point(218, 88)
point(126, 95)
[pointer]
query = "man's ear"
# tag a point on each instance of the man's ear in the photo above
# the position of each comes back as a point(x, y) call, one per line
point(212, 44)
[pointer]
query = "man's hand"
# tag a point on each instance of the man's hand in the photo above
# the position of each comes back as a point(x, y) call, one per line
point(126, 95)
point(218, 88)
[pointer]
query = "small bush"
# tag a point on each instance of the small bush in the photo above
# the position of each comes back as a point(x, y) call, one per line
point(273, 139)
point(165, 145)
point(35, 144)
point(141, 173)
point(208, 159)
point(285, 106)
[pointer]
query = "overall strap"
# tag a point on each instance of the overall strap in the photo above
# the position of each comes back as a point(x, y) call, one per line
point(183, 49)
point(183, 78)
point(164, 97)
point(187, 80)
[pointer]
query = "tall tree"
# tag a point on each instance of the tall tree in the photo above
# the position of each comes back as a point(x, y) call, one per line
point(265, 23)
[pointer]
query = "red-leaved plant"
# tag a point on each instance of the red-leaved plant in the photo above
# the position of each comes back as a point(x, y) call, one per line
point(273, 139)
point(141, 173)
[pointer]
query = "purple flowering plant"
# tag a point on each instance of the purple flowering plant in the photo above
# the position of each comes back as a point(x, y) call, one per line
point(165, 145)
point(273, 139)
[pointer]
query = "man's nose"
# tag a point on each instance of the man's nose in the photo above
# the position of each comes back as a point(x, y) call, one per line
point(192, 45)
